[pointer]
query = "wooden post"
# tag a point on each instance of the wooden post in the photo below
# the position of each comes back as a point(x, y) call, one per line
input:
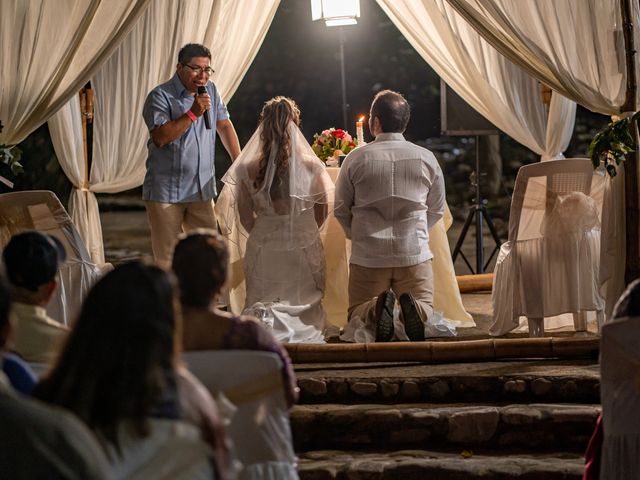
point(632, 214)
point(86, 111)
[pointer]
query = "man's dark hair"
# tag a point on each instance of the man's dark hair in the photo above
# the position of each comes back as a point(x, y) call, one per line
point(5, 302)
point(628, 304)
point(392, 110)
point(193, 50)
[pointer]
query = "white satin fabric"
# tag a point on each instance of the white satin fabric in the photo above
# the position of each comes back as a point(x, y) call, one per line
point(48, 51)
point(493, 85)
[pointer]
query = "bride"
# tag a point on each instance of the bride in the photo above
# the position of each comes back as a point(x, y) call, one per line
point(276, 197)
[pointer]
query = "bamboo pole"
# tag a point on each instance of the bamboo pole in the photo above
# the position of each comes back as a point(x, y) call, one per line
point(446, 352)
point(632, 211)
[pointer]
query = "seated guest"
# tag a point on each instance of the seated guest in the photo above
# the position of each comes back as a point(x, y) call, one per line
point(19, 373)
point(389, 193)
point(32, 260)
point(38, 441)
point(200, 262)
point(119, 373)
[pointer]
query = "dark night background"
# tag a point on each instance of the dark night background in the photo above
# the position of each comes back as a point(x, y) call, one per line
point(300, 59)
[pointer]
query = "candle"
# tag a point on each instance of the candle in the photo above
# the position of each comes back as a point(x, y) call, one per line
point(360, 131)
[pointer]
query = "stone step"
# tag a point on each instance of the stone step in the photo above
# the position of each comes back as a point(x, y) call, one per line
point(421, 464)
point(529, 426)
point(521, 381)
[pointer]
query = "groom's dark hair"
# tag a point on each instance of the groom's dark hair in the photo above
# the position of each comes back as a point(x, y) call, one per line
point(392, 110)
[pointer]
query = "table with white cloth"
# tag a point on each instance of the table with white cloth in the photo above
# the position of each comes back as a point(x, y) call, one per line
point(337, 249)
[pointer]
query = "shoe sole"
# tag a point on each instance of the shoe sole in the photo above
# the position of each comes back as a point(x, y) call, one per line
point(384, 323)
point(413, 326)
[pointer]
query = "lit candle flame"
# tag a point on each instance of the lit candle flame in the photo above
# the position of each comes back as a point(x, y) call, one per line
point(361, 119)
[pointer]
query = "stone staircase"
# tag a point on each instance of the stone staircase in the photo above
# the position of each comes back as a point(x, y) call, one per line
point(513, 419)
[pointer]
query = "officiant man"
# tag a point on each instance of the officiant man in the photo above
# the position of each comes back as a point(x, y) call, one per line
point(180, 183)
point(389, 193)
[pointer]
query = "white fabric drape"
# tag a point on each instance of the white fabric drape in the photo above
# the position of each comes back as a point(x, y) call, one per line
point(66, 135)
point(48, 50)
point(147, 57)
point(498, 89)
point(574, 46)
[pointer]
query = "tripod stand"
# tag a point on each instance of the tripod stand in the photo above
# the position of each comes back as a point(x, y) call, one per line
point(479, 212)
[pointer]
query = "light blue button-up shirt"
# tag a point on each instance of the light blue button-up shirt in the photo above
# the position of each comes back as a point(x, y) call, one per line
point(183, 170)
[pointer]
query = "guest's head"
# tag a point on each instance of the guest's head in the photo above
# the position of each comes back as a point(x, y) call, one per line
point(628, 304)
point(389, 113)
point(194, 66)
point(200, 262)
point(32, 260)
point(5, 304)
point(275, 118)
point(119, 359)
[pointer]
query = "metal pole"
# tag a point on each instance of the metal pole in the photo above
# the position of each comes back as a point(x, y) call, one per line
point(479, 233)
point(344, 80)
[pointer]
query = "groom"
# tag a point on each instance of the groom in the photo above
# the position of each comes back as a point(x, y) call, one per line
point(389, 194)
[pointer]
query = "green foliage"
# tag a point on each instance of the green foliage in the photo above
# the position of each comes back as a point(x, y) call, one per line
point(10, 155)
point(611, 144)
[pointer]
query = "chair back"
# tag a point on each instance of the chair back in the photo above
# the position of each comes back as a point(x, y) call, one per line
point(536, 189)
point(41, 210)
point(171, 450)
point(260, 428)
point(619, 360)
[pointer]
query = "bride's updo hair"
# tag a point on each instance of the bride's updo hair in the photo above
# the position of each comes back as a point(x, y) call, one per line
point(276, 115)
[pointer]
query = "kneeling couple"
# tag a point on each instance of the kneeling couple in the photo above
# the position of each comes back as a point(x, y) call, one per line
point(387, 196)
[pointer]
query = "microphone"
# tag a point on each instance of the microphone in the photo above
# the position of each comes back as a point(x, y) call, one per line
point(207, 120)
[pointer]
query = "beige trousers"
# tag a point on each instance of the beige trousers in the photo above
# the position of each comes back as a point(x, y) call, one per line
point(168, 220)
point(366, 283)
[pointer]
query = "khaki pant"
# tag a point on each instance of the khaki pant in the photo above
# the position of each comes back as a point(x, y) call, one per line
point(168, 220)
point(366, 283)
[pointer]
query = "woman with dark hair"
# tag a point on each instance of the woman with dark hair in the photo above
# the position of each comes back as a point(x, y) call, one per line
point(276, 197)
point(119, 373)
point(200, 262)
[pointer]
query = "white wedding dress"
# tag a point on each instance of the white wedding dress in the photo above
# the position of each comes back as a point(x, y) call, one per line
point(275, 231)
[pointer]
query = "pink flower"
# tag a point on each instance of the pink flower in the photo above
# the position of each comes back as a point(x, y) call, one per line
point(326, 133)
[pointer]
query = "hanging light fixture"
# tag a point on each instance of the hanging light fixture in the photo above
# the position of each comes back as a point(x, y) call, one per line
point(336, 12)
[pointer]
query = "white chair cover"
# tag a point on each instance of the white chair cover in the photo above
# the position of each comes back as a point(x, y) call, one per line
point(550, 264)
point(620, 396)
point(42, 211)
point(173, 450)
point(259, 428)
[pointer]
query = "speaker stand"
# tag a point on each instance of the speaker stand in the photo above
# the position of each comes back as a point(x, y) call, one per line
point(479, 212)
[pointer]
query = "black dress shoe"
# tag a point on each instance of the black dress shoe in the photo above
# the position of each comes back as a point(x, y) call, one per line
point(384, 316)
point(413, 325)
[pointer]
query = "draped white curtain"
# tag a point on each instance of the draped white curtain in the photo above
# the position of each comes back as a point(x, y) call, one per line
point(48, 50)
point(574, 46)
point(501, 91)
point(234, 32)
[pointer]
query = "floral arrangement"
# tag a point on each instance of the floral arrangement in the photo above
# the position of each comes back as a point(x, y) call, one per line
point(332, 142)
point(10, 155)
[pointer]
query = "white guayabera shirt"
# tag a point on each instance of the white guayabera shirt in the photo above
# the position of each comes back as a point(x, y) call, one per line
point(389, 193)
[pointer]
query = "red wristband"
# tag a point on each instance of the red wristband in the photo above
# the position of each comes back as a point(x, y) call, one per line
point(191, 116)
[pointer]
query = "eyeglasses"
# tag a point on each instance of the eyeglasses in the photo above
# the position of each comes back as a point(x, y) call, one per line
point(208, 71)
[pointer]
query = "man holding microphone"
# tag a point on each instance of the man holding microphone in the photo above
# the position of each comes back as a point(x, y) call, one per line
point(183, 116)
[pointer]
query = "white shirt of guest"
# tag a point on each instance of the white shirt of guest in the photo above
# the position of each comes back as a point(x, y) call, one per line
point(389, 193)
